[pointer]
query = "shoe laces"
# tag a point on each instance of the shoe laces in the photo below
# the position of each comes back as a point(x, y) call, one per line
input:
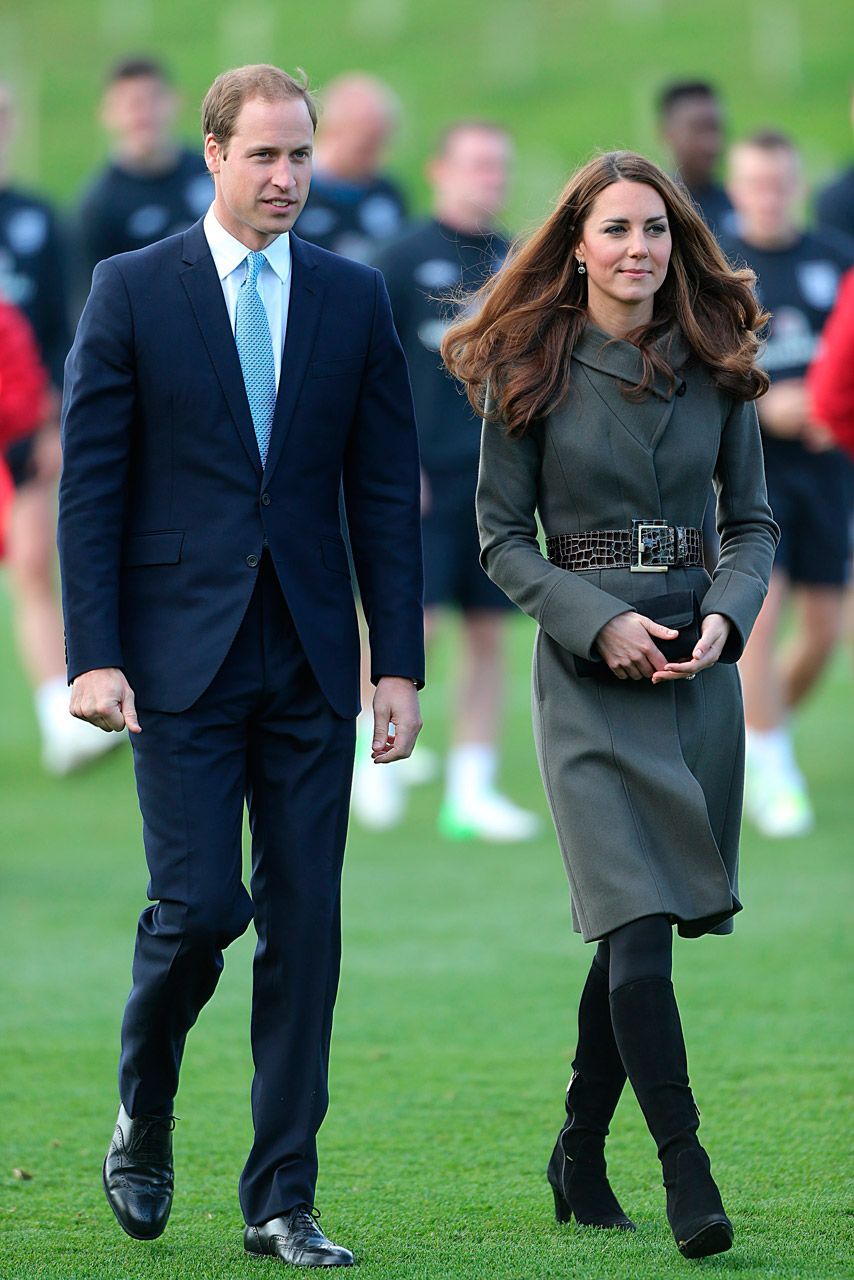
point(147, 1142)
point(307, 1215)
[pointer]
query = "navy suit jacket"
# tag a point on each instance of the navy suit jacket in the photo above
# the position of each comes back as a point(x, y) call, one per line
point(165, 509)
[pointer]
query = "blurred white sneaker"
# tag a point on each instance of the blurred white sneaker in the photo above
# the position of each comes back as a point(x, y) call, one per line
point(69, 747)
point(777, 805)
point(419, 768)
point(487, 815)
point(379, 797)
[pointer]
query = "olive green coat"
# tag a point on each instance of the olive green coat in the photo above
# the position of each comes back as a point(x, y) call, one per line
point(644, 782)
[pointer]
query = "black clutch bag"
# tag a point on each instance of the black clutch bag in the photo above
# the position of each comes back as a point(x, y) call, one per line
point(680, 609)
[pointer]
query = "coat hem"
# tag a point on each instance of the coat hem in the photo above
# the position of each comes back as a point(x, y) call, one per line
point(718, 922)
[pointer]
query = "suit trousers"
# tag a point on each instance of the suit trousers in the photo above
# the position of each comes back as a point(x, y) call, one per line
point(262, 734)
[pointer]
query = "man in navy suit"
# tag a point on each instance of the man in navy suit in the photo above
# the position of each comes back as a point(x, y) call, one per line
point(222, 385)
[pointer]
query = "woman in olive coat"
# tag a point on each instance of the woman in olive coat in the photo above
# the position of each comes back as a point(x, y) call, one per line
point(614, 360)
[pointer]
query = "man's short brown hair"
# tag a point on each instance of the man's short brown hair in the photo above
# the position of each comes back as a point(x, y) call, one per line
point(232, 89)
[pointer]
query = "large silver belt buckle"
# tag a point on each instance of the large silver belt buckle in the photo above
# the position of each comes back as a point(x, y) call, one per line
point(651, 538)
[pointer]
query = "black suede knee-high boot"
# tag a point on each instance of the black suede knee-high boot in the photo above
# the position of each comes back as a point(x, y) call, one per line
point(648, 1032)
point(577, 1170)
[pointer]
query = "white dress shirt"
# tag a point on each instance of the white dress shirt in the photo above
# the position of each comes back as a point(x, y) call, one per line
point(274, 281)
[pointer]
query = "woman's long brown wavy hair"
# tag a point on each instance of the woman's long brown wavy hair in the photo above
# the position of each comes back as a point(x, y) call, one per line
point(521, 326)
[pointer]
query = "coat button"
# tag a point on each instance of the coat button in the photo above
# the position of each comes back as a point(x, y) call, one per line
point(252, 561)
point(265, 499)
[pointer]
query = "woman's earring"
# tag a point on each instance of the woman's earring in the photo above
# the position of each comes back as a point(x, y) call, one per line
point(582, 270)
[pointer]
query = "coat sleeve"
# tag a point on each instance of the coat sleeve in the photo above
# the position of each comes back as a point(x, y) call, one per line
point(382, 495)
point(748, 533)
point(97, 418)
point(571, 609)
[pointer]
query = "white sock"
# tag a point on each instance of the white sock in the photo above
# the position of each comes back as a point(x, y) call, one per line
point(471, 771)
point(52, 699)
point(772, 749)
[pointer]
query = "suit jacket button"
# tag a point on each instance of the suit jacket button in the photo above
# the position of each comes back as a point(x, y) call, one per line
point(265, 499)
point(252, 561)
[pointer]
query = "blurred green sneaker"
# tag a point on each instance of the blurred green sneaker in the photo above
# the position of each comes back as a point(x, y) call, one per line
point(777, 805)
point(487, 816)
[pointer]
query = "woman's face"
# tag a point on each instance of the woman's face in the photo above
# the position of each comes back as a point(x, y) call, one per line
point(625, 246)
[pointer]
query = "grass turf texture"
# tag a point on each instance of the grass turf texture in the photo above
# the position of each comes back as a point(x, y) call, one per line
point(567, 76)
point(454, 1032)
point(455, 1024)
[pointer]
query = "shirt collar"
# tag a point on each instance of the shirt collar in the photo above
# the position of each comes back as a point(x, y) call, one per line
point(228, 252)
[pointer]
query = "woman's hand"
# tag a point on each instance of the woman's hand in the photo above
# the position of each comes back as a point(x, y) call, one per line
point(707, 650)
point(628, 646)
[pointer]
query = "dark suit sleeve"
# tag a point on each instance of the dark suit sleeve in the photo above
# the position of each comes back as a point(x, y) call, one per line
point(382, 497)
point(97, 417)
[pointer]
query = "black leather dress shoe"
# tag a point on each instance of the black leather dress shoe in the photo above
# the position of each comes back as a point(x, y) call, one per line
point(138, 1176)
point(296, 1238)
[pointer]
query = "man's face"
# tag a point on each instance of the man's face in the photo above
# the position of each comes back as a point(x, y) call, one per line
point(694, 131)
point(263, 172)
point(139, 113)
point(473, 170)
point(364, 141)
point(765, 188)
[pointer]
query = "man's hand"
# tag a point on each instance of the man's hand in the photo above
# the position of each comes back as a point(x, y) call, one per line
point(707, 650)
point(817, 438)
point(396, 703)
point(47, 454)
point(426, 494)
point(105, 699)
point(784, 410)
point(628, 646)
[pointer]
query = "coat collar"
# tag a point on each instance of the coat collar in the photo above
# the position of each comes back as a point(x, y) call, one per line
point(598, 350)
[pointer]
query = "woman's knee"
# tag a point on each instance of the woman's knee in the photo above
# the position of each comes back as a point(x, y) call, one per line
point(640, 949)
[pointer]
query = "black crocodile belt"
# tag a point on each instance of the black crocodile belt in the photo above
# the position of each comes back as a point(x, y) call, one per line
point(650, 546)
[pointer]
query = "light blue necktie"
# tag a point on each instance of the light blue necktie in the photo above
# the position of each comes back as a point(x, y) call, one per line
point(255, 349)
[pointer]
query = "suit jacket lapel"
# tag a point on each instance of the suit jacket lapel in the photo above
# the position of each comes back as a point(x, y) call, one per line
point(204, 291)
point(306, 304)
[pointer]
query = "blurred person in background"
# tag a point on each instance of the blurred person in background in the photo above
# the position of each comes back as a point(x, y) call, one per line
point(809, 480)
point(353, 205)
point(426, 269)
point(152, 186)
point(692, 123)
point(33, 279)
point(834, 206)
point(29, 445)
point(614, 358)
point(33, 255)
point(830, 381)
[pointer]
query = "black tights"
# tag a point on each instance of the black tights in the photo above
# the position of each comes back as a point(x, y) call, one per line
point(641, 949)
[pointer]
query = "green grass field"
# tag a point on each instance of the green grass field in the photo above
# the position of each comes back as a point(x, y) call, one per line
point(453, 1038)
point(455, 1029)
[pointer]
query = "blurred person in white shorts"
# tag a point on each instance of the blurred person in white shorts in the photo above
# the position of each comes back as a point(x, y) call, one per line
point(810, 482)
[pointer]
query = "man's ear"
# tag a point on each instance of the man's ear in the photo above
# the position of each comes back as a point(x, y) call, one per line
point(213, 154)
